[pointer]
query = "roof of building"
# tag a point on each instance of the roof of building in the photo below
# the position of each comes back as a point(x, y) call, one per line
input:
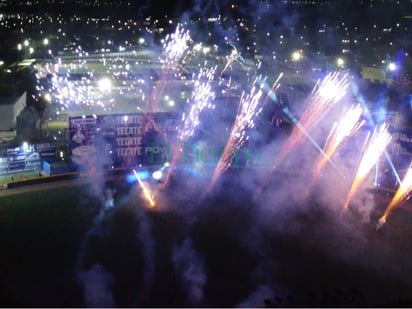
point(9, 99)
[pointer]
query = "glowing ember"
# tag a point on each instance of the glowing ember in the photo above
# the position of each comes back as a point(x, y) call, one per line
point(146, 191)
point(342, 129)
point(374, 149)
point(323, 98)
point(400, 195)
point(247, 110)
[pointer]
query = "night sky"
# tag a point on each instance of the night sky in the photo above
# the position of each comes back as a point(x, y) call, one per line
point(257, 234)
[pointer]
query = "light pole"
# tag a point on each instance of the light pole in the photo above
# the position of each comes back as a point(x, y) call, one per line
point(45, 43)
point(26, 44)
point(19, 47)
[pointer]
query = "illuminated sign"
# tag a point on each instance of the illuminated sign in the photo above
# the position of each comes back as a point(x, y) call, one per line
point(122, 140)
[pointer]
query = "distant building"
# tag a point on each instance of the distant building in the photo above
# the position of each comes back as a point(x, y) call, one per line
point(10, 108)
point(26, 123)
point(374, 75)
point(307, 2)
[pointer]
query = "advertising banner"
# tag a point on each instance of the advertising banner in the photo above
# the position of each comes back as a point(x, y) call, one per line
point(123, 140)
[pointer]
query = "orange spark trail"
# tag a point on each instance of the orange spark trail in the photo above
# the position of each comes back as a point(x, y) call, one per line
point(247, 110)
point(323, 98)
point(146, 192)
point(400, 195)
point(376, 145)
point(347, 126)
point(275, 87)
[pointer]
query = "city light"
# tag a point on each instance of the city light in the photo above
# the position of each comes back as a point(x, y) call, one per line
point(340, 62)
point(297, 55)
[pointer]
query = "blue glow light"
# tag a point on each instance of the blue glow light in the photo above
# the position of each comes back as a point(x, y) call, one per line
point(131, 178)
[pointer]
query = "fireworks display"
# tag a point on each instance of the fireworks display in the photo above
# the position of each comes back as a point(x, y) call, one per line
point(145, 190)
point(341, 129)
point(175, 48)
point(234, 56)
point(400, 195)
point(273, 90)
point(323, 98)
point(106, 84)
point(247, 111)
point(201, 98)
point(223, 153)
point(374, 148)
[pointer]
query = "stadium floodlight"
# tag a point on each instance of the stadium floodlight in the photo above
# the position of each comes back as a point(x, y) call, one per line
point(105, 84)
point(392, 67)
point(297, 55)
point(25, 147)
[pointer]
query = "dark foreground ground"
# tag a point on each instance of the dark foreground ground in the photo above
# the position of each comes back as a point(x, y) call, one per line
point(218, 251)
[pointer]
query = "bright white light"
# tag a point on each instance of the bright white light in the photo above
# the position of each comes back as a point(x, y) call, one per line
point(141, 41)
point(171, 103)
point(392, 67)
point(105, 84)
point(25, 147)
point(48, 97)
point(296, 55)
point(206, 50)
point(340, 62)
point(157, 175)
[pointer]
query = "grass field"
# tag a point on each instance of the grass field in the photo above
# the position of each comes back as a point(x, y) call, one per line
point(40, 233)
point(9, 178)
point(231, 254)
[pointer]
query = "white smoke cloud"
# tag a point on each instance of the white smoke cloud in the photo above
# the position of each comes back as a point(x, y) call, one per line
point(97, 284)
point(257, 298)
point(147, 244)
point(191, 269)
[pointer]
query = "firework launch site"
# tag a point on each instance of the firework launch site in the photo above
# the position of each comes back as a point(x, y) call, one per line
point(188, 178)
